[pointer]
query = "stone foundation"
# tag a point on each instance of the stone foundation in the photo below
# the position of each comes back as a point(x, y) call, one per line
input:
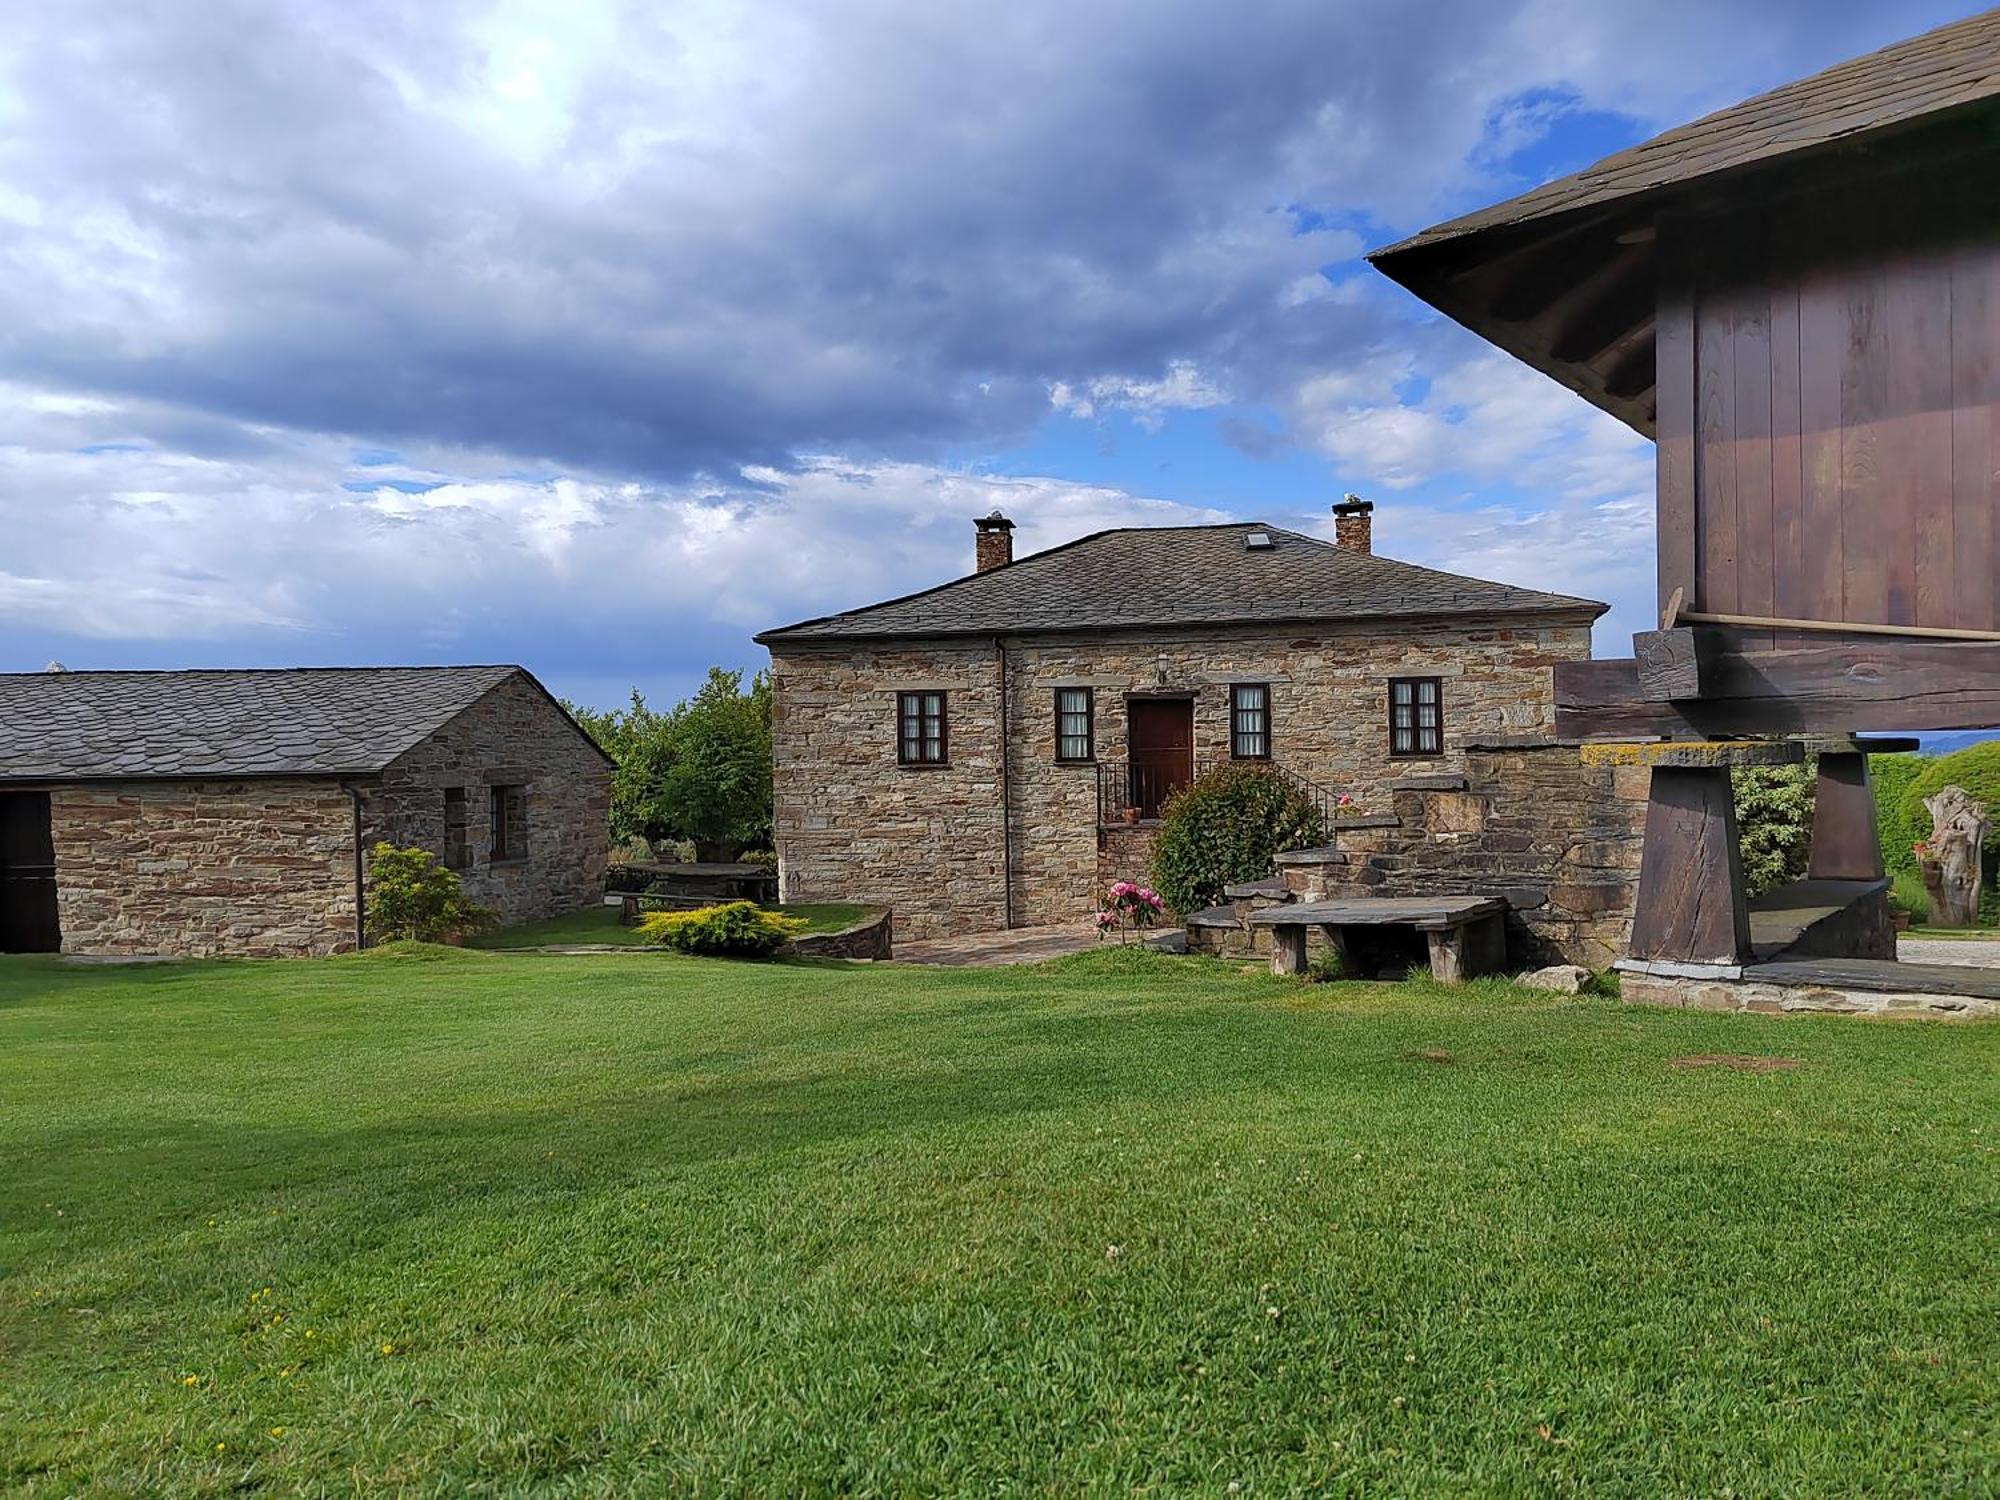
point(1788, 999)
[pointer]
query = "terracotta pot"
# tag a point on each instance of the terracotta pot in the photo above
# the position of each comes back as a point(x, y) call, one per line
point(1131, 815)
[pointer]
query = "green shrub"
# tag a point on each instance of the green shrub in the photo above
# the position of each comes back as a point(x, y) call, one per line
point(1227, 826)
point(1892, 777)
point(1976, 768)
point(1774, 821)
point(411, 897)
point(735, 929)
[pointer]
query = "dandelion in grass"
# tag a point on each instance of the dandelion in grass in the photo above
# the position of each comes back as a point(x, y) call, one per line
point(277, 1432)
point(190, 1380)
point(388, 1348)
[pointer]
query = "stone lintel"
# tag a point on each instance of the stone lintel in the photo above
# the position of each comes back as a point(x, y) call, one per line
point(1694, 754)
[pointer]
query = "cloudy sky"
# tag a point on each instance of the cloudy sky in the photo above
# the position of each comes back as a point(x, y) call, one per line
point(597, 336)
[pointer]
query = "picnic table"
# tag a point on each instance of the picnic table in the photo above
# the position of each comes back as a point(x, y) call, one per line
point(1466, 935)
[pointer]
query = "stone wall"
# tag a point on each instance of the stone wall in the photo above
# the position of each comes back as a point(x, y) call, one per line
point(853, 825)
point(1559, 839)
point(513, 736)
point(265, 868)
point(199, 869)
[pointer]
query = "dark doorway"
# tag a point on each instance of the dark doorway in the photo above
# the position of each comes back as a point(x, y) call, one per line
point(1161, 750)
point(27, 875)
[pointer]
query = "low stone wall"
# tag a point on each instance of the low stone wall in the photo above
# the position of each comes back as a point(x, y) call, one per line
point(871, 938)
point(1529, 821)
point(1124, 852)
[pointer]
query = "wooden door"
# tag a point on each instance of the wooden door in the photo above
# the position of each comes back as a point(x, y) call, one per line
point(27, 875)
point(1161, 750)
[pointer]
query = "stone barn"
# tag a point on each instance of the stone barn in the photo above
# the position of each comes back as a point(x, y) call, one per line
point(211, 813)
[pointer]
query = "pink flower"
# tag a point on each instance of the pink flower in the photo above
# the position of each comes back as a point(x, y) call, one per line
point(1345, 800)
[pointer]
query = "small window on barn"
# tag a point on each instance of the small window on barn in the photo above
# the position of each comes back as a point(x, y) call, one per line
point(1075, 731)
point(457, 846)
point(921, 735)
point(1416, 716)
point(510, 824)
point(1250, 721)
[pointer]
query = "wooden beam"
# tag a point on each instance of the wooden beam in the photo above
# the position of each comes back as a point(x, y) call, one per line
point(1612, 304)
point(1850, 684)
point(1637, 372)
point(1670, 661)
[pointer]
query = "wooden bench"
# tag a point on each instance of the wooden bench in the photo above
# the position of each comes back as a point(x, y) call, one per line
point(1467, 935)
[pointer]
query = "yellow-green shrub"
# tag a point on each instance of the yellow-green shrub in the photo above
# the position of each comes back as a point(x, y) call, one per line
point(735, 929)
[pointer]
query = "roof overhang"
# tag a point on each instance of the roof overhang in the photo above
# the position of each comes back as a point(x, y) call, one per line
point(1574, 292)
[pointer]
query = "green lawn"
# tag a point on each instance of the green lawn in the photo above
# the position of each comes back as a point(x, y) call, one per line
point(439, 1221)
point(599, 924)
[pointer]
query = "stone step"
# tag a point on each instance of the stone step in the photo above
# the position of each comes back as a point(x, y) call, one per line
point(1271, 886)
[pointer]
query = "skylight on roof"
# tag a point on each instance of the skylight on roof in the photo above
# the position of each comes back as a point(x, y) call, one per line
point(1257, 541)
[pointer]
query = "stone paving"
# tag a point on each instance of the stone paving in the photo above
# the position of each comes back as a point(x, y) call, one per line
point(1973, 953)
point(1018, 945)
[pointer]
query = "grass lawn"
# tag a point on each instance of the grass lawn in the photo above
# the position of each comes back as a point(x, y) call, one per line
point(599, 924)
point(438, 1221)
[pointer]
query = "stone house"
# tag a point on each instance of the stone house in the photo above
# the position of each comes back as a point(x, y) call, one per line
point(209, 813)
point(995, 751)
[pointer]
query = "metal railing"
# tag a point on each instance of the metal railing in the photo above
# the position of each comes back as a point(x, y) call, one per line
point(1146, 787)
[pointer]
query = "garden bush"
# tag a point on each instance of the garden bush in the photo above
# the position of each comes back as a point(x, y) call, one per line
point(1977, 769)
point(1227, 826)
point(1892, 777)
point(735, 929)
point(1774, 820)
point(412, 897)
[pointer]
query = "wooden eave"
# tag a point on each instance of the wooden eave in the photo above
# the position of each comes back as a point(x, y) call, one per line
point(1574, 293)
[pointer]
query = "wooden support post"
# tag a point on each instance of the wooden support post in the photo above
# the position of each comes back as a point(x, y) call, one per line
point(1691, 905)
point(1486, 946)
point(1447, 946)
point(1846, 844)
point(1288, 949)
point(1336, 944)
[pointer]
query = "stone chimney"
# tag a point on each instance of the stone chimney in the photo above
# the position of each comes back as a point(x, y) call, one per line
point(1353, 524)
point(994, 545)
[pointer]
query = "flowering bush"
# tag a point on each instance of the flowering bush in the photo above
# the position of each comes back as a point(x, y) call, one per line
point(1128, 907)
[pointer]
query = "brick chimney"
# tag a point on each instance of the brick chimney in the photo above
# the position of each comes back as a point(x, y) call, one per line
point(994, 545)
point(1353, 524)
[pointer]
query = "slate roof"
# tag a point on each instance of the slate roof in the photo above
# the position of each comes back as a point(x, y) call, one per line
point(1951, 68)
point(299, 721)
point(1151, 577)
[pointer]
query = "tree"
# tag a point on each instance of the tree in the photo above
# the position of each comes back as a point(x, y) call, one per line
point(700, 772)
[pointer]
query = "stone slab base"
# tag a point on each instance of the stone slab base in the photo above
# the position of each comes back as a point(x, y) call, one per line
point(1786, 999)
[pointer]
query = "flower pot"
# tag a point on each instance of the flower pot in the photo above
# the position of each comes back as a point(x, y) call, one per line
point(1131, 815)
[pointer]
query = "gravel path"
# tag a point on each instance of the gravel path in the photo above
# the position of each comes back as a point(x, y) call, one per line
point(1973, 953)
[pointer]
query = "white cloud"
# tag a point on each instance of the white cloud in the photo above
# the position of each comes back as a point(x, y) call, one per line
point(1182, 388)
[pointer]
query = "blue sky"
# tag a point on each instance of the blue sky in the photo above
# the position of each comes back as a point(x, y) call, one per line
point(598, 336)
